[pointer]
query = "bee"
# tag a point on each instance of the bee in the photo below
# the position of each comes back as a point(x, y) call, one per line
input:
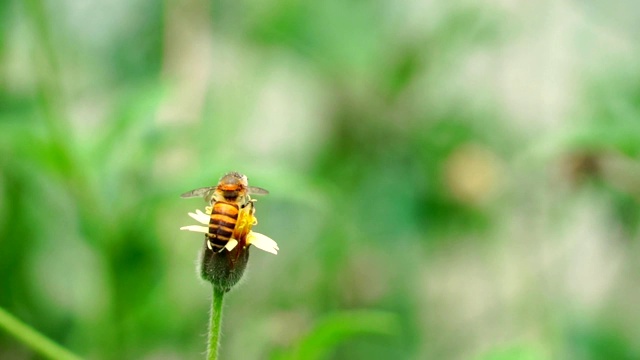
point(230, 207)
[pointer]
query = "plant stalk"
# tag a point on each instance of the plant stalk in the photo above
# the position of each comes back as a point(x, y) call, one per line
point(216, 319)
point(33, 339)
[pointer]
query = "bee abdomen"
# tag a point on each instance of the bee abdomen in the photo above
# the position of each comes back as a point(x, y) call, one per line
point(223, 221)
point(225, 208)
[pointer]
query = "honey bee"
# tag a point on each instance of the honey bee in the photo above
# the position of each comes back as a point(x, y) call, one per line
point(231, 207)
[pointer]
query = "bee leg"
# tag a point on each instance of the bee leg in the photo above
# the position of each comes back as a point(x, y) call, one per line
point(209, 245)
point(253, 211)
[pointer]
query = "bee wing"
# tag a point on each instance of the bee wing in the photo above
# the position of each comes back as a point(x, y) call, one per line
point(205, 192)
point(254, 190)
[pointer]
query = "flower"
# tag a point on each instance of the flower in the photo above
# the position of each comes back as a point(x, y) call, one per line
point(224, 267)
point(246, 220)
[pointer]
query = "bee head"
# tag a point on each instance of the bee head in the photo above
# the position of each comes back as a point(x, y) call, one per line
point(232, 185)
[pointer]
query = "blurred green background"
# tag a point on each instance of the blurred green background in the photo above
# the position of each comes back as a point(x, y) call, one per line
point(449, 180)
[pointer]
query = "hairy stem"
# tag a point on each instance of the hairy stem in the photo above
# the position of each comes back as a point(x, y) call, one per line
point(33, 339)
point(216, 319)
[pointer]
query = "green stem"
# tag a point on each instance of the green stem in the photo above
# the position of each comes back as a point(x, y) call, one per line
point(33, 339)
point(216, 319)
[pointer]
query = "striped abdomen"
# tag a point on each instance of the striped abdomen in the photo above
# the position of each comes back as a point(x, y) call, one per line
point(224, 217)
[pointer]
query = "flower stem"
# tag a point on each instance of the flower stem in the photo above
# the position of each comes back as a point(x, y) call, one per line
point(216, 319)
point(33, 339)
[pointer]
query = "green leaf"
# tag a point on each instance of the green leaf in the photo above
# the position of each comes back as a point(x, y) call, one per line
point(340, 327)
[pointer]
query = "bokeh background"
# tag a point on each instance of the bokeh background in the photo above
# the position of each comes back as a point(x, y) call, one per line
point(449, 180)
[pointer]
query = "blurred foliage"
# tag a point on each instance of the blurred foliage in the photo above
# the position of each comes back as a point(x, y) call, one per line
point(447, 180)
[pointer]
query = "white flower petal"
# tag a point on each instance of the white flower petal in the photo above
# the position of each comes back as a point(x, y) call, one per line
point(200, 217)
point(231, 244)
point(262, 242)
point(201, 213)
point(196, 228)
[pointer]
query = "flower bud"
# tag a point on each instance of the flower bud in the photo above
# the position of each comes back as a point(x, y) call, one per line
point(223, 269)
